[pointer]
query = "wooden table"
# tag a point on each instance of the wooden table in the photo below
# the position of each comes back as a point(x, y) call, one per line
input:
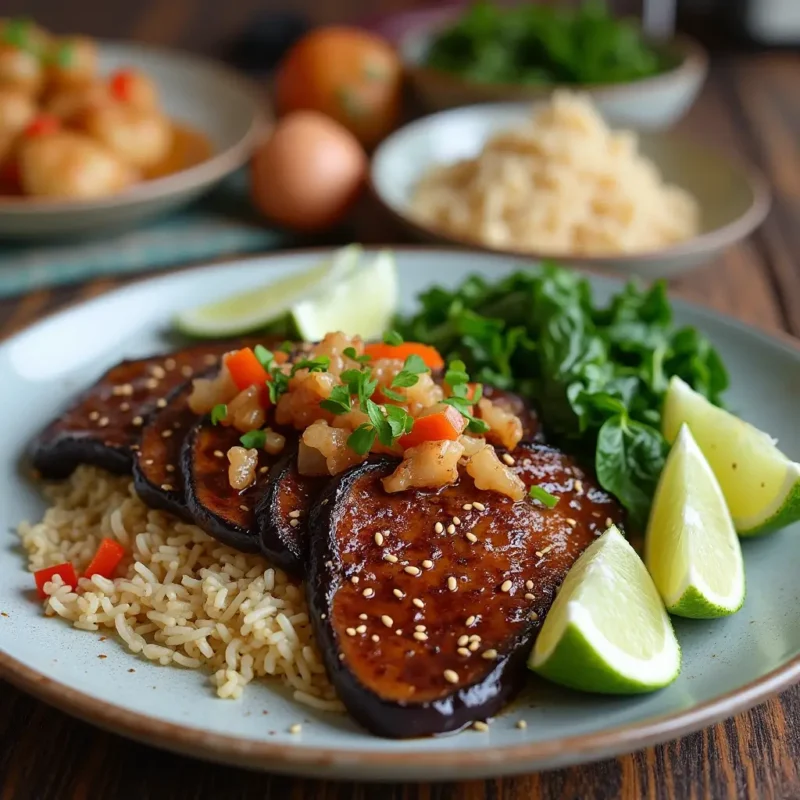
point(751, 105)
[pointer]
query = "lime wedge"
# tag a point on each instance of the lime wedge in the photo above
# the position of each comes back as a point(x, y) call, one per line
point(363, 302)
point(608, 631)
point(691, 548)
point(761, 485)
point(256, 308)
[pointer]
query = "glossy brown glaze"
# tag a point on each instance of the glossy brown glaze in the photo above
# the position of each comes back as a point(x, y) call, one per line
point(220, 510)
point(283, 514)
point(157, 473)
point(399, 684)
point(510, 401)
point(103, 425)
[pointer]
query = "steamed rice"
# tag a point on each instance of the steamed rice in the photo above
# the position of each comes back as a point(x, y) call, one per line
point(182, 598)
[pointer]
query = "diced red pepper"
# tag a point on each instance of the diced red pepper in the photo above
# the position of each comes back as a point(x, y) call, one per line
point(43, 125)
point(65, 571)
point(121, 83)
point(430, 355)
point(106, 559)
point(446, 423)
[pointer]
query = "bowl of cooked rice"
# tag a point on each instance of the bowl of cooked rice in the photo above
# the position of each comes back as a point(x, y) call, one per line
point(556, 181)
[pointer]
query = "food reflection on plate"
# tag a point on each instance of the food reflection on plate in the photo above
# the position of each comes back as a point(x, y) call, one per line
point(69, 132)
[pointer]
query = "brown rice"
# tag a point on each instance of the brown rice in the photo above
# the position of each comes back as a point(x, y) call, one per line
point(182, 598)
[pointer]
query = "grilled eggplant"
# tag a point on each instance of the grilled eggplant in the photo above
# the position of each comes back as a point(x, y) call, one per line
point(220, 510)
point(424, 630)
point(157, 473)
point(283, 514)
point(103, 425)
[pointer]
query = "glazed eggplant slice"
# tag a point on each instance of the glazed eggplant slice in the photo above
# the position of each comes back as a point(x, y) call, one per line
point(283, 514)
point(157, 473)
point(510, 401)
point(223, 512)
point(422, 630)
point(103, 425)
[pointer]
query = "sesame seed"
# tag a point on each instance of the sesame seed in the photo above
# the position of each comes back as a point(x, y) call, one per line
point(219, 453)
point(596, 514)
point(538, 553)
point(103, 421)
point(521, 724)
point(170, 468)
point(243, 507)
point(361, 629)
point(462, 651)
point(470, 620)
point(463, 640)
point(323, 616)
point(262, 470)
point(451, 529)
point(450, 676)
point(470, 537)
point(609, 522)
point(186, 371)
point(341, 656)
point(170, 364)
point(398, 632)
point(427, 563)
point(418, 603)
point(387, 620)
point(294, 522)
point(478, 506)
point(176, 425)
point(534, 615)
point(529, 584)
point(350, 631)
point(456, 520)
point(505, 586)
point(571, 522)
point(378, 538)
point(474, 637)
point(368, 592)
point(149, 462)
point(479, 726)
point(296, 728)
point(438, 527)
point(94, 416)
point(529, 596)
point(363, 616)
point(451, 584)
point(126, 406)
point(546, 550)
point(398, 593)
point(157, 372)
point(412, 570)
point(508, 459)
point(490, 654)
point(165, 434)
point(578, 486)
point(466, 507)
point(390, 558)
point(420, 636)
point(167, 487)
point(354, 579)
point(151, 383)
point(294, 514)
point(375, 637)
point(473, 646)
point(139, 421)
point(419, 627)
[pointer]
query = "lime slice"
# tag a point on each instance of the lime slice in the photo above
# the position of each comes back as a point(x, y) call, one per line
point(608, 631)
point(362, 303)
point(256, 308)
point(761, 485)
point(691, 548)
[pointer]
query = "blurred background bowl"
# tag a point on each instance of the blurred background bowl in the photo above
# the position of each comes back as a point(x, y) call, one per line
point(733, 197)
point(206, 95)
point(649, 103)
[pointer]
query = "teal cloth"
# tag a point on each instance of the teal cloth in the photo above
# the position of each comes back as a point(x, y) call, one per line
point(221, 224)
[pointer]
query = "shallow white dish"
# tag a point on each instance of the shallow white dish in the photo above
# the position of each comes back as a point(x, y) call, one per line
point(733, 197)
point(208, 96)
point(729, 664)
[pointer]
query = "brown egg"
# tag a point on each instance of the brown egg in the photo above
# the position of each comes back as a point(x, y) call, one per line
point(308, 174)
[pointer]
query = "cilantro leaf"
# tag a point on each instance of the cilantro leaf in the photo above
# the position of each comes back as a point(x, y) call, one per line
point(396, 396)
point(338, 402)
point(456, 374)
point(286, 347)
point(392, 338)
point(278, 385)
point(477, 426)
point(415, 365)
point(350, 352)
point(404, 379)
point(359, 383)
point(218, 413)
point(361, 439)
point(400, 421)
point(318, 364)
point(379, 423)
point(543, 496)
point(253, 439)
point(264, 356)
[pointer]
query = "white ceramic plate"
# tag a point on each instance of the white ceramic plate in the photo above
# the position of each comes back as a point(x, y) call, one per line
point(729, 664)
point(733, 198)
point(204, 94)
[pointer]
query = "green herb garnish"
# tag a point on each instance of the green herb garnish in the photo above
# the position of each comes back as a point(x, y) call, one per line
point(543, 496)
point(361, 439)
point(264, 356)
point(458, 380)
point(413, 367)
point(393, 338)
point(253, 439)
point(286, 347)
point(278, 385)
point(218, 413)
point(350, 352)
point(317, 364)
point(360, 383)
point(338, 402)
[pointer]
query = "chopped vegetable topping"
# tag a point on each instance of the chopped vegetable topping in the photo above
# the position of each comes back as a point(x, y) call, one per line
point(245, 369)
point(218, 413)
point(429, 355)
point(256, 439)
point(444, 424)
point(121, 83)
point(65, 571)
point(543, 496)
point(106, 559)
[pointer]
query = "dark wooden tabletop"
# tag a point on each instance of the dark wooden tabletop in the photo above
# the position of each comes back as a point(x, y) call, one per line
point(751, 105)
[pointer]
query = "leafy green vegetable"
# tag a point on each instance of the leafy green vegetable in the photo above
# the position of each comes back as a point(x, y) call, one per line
point(544, 44)
point(597, 374)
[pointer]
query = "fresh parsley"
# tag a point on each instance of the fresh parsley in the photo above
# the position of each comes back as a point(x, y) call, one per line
point(457, 378)
point(350, 352)
point(361, 384)
point(253, 439)
point(413, 367)
point(317, 364)
point(338, 402)
point(277, 385)
point(218, 413)
point(361, 439)
point(543, 496)
point(265, 357)
point(393, 338)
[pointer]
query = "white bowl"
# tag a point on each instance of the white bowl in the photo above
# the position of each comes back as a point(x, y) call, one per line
point(207, 96)
point(733, 197)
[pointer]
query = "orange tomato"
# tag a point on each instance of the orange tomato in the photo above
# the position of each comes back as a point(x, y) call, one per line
point(348, 74)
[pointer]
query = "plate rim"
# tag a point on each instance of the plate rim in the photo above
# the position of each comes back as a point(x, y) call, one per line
point(330, 761)
point(208, 171)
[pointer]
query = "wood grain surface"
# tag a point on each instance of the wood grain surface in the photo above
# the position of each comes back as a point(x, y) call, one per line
point(751, 106)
